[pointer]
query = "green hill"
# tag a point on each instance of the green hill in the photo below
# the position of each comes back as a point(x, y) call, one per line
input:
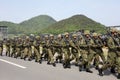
point(36, 24)
point(46, 24)
point(33, 25)
point(74, 23)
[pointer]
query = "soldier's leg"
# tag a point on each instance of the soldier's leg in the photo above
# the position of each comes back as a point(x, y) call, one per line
point(77, 58)
point(50, 57)
point(56, 57)
point(22, 53)
point(112, 57)
point(25, 54)
point(29, 54)
point(7, 51)
point(118, 66)
point(83, 60)
point(90, 58)
point(107, 64)
point(13, 52)
point(65, 57)
point(18, 52)
point(96, 61)
point(40, 53)
point(1, 50)
point(78, 55)
point(37, 56)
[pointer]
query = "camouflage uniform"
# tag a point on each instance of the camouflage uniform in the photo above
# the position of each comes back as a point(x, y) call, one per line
point(58, 48)
point(1, 47)
point(18, 47)
point(50, 50)
point(12, 47)
point(37, 45)
point(74, 43)
point(113, 57)
point(98, 49)
point(66, 51)
point(87, 52)
point(7, 45)
point(27, 48)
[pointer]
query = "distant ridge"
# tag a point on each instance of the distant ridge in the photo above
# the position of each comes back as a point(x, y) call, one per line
point(46, 24)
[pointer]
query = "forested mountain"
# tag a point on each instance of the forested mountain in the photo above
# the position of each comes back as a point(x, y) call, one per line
point(74, 23)
point(33, 25)
point(46, 24)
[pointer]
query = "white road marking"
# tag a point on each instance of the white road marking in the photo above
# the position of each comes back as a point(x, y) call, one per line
point(13, 63)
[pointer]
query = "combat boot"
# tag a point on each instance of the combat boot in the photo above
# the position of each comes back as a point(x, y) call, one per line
point(25, 57)
point(64, 65)
point(29, 59)
point(96, 67)
point(80, 68)
point(48, 63)
point(68, 64)
point(84, 66)
point(118, 77)
point(88, 70)
point(112, 70)
point(76, 64)
point(100, 72)
point(0, 54)
point(54, 64)
point(40, 61)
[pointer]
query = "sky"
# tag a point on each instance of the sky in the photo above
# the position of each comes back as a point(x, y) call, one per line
point(106, 12)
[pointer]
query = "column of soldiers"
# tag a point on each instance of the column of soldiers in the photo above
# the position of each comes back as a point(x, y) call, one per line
point(86, 49)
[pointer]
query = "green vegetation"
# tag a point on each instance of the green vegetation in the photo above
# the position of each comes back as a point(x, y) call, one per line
point(74, 23)
point(36, 24)
point(46, 24)
point(33, 25)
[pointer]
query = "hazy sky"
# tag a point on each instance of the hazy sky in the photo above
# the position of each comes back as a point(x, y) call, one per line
point(106, 12)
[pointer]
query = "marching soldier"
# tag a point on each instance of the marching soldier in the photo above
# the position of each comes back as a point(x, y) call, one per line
point(18, 47)
point(66, 51)
point(112, 59)
point(27, 48)
point(87, 52)
point(1, 47)
point(49, 48)
point(97, 48)
point(74, 43)
point(58, 48)
point(12, 47)
point(7, 46)
point(37, 49)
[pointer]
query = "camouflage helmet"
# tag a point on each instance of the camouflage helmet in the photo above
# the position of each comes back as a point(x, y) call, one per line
point(27, 37)
point(74, 35)
point(87, 32)
point(37, 37)
point(31, 34)
point(113, 30)
point(118, 31)
point(99, 34)
point(59, 35)
point(19, 38)
point(51, 35)
point(95, 34)
point(66, 33)
point(46, 36)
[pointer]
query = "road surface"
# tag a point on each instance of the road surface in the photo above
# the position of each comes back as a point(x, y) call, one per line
point(17, 69)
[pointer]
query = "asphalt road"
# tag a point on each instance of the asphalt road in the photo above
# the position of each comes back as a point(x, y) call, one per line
point(17, 69)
